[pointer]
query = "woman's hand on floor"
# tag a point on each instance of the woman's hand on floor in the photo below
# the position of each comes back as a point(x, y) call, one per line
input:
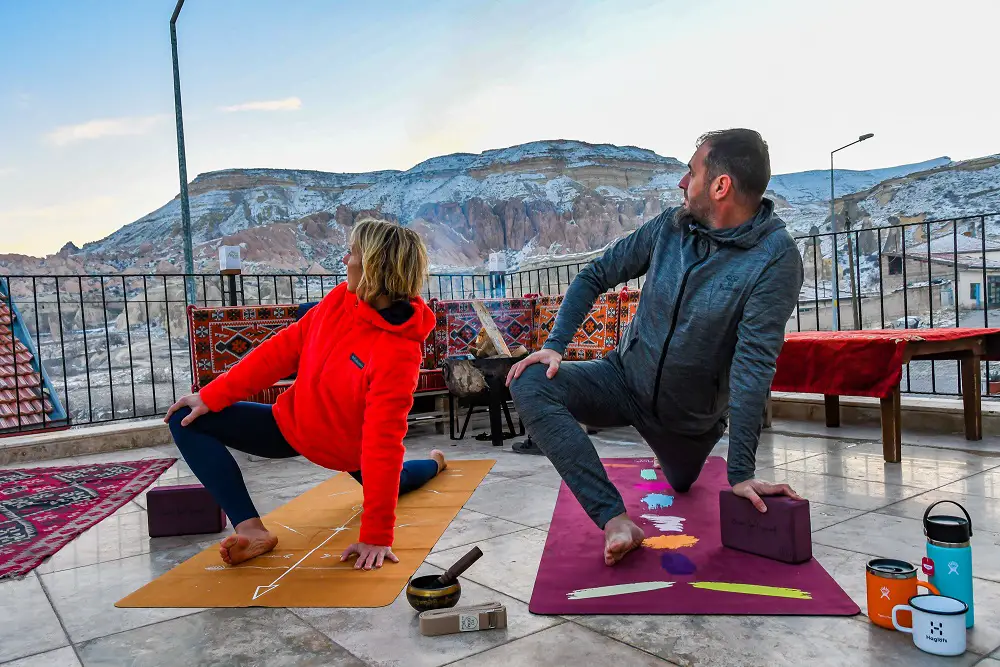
point(369, 555)
point(193, 401)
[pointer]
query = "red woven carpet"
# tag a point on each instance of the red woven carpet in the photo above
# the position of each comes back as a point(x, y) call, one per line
point(44, 509)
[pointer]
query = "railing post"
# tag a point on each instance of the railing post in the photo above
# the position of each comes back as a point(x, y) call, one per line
point(231, 266)
point(498, 269)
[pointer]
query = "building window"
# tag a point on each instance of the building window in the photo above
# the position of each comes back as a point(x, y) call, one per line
point(895, 266)
point(993, 289)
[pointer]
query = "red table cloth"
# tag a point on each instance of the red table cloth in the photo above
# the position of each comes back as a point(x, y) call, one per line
point(858, 363)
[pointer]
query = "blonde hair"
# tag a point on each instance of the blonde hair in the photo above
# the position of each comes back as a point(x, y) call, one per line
point(393, 260)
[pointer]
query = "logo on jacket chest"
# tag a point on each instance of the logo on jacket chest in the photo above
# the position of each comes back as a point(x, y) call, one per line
point(356, 360)
point(730, 283)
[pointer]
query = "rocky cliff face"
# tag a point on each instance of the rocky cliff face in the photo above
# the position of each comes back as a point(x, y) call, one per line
point(537, 201)
point(542, 198)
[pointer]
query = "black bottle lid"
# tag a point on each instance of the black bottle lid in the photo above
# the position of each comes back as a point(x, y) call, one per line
point(946, 528)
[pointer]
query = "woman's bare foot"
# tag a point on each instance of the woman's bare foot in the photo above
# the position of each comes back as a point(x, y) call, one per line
point(621, 536)
point(438, 456)
point(251, 540)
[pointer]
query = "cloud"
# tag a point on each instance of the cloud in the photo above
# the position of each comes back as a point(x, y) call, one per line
point(104, 127)
point(7, 171)
point(287, 104)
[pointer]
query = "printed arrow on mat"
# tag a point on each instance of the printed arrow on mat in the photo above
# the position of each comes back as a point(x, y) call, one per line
point(262, 590)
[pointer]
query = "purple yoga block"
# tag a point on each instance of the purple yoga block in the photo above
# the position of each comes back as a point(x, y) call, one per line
point(183, 510)
point(783, 533)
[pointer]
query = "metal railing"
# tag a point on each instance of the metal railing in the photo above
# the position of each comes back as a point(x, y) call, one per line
point(930, 273)
point(115, 347)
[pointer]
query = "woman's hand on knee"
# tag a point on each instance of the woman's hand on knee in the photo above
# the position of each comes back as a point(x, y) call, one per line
point(191, 401)
point(369, 555)
point(550, 358)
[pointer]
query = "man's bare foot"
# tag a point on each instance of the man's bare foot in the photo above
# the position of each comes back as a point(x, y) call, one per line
point(249, 542)
point(621, 536)
point(438, 456)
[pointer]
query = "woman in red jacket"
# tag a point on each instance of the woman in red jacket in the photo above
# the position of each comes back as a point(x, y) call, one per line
point(356, 356)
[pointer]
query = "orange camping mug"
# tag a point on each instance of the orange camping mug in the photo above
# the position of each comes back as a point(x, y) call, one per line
point(890, 583)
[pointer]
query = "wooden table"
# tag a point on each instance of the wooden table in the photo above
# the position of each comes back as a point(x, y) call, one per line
point(968, 352)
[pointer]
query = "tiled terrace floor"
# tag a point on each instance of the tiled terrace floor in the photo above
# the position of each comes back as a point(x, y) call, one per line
point(64, 614)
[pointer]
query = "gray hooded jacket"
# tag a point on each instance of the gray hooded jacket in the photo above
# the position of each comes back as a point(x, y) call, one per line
point(709, 326)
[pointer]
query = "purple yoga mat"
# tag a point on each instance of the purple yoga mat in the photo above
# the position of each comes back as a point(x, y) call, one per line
point(573, 561)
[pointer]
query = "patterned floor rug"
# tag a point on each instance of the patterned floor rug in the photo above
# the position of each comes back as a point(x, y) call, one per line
point(44, 509)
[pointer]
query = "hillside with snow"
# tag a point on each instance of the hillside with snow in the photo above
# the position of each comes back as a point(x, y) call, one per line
point(970, 187)
point(538, 202)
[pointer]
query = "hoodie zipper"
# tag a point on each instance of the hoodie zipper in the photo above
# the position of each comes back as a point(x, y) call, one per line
point(673, 323)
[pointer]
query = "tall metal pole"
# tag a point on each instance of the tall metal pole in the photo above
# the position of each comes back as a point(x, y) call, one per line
point(182, 162)
point(836, 253)
point(836, 260)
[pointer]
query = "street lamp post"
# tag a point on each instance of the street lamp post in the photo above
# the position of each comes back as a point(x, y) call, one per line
point(836, 261)
point(182, 161)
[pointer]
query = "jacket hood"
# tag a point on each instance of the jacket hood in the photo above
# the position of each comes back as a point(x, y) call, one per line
point(750, 233)
point(416, 328)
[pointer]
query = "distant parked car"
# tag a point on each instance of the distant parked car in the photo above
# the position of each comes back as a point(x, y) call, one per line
point(911, 322)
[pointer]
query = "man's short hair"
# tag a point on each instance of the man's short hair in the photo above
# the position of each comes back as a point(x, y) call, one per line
point(743, 155)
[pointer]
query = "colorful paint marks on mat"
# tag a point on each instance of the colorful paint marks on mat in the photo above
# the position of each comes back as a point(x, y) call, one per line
point(670, 541)
point(666, 524)
point(618, 589)
point(652, 486)
point(675, 563)
point(648, 473)
point(749, 589)
point(658, 501)
point(620, 465)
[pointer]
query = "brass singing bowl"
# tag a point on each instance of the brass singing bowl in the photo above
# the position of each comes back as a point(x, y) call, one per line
point(423, 593)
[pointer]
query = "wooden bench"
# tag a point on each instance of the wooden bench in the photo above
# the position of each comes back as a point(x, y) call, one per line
point(815, 362)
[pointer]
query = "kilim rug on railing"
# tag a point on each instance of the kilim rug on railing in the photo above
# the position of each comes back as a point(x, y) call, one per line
point(44, 509)
point(220, 337)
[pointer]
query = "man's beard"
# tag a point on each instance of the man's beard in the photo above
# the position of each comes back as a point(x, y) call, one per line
point(687, 215)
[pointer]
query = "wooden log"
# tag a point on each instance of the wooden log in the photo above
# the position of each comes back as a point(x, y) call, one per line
point(491, 328)
point(463, 379)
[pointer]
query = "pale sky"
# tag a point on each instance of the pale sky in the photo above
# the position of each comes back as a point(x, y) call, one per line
point(87, 139)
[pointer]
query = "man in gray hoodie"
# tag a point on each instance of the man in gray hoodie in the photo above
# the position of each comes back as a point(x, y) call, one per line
point(722, 278)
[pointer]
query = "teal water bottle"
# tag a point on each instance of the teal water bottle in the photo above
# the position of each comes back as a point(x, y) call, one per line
point(948, 564)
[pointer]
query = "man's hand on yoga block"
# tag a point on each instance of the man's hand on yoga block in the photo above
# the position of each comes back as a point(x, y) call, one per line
point(369, 555)
point(550, 358)
point(753, 489)
point(193, 401)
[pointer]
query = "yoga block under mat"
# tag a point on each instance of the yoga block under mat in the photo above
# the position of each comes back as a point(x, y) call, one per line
point(783, 533)
point(183, 510)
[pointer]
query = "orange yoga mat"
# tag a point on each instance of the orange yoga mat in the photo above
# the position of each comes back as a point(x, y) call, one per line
point(313, 531)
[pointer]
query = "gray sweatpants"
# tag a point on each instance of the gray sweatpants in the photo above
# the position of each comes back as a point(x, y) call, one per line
point(594, 393)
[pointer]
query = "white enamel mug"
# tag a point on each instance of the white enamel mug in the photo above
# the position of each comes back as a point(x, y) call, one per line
point(938, 623)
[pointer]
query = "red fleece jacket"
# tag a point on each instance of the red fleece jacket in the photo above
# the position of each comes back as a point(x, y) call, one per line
point(347, 409)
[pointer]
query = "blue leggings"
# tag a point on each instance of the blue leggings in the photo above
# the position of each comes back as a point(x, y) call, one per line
point(250, 428)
